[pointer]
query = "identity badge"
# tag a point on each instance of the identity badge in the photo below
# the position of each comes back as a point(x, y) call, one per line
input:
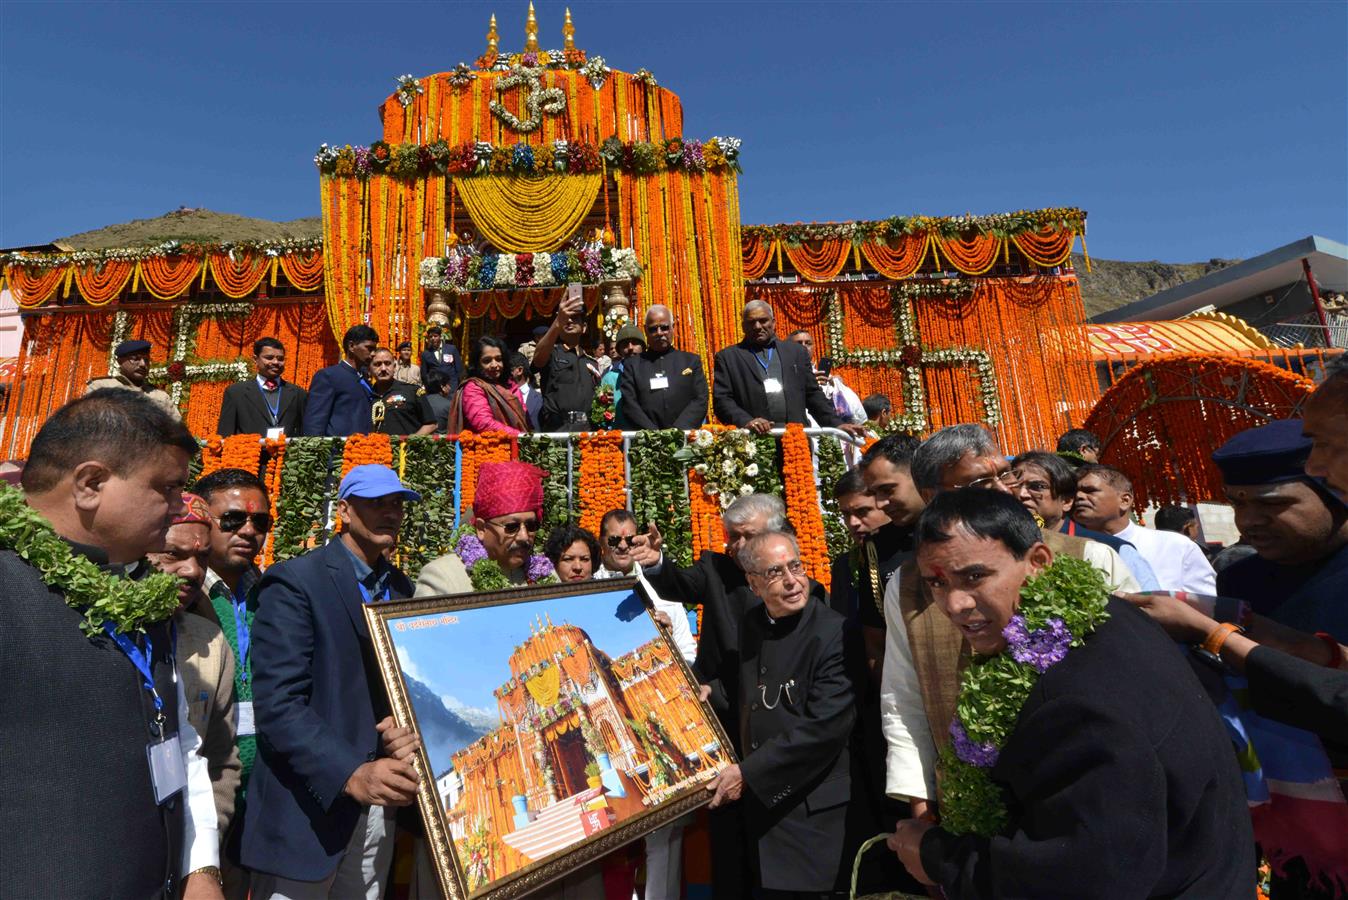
point(168, 772)
point(244, 726)
point(772, 386)
point(659, 382)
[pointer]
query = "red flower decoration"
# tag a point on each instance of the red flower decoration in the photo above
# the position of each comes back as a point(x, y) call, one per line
point(177, 371)
point(910, 355)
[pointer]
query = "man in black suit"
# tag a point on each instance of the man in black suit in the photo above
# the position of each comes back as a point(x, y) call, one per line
point(795, 704)
point(106, 474)
point(441, 357)
point(267, 404)
point(718, 583)
point(319, 821)
point(533, 400)
point(340, 398)
point(1117, 774)
point(762, 383)
point(663, 387)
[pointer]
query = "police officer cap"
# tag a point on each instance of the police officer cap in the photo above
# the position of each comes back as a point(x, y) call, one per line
point(126, 348)
point(1265, 455)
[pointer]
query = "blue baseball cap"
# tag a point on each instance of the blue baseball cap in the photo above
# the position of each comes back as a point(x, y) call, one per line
point(372, 480)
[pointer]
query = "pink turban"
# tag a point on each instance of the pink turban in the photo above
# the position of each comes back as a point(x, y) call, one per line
point(506, 488)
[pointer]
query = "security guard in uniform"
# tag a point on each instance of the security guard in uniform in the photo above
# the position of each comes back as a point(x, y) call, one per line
point(133, 372)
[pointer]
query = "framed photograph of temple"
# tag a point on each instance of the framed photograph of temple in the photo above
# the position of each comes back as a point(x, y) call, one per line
point(557, 723)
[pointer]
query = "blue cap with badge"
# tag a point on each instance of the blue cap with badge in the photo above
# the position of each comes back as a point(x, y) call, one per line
point(126, 348)
point(371, 481)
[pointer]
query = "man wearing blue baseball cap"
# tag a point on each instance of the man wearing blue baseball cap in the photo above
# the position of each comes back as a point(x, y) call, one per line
point(1299, 530)
point(133, 373)
point(332, 767)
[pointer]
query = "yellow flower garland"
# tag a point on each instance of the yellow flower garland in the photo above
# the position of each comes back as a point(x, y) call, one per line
point(528, 214)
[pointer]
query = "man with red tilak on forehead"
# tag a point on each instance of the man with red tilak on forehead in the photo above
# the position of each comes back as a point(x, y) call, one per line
point(507, 511)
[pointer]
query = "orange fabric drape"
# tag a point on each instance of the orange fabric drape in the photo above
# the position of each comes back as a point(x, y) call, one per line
point(757, 256)
point(819, 260)
point(897, 259)
point(33, 287)
point(1047, 248)
point(239, 277)
point(168, 277)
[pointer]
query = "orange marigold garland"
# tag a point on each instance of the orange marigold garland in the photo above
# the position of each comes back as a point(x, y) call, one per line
point(705, 514)
point(601, 477)
point(477, 450)
point(276, 452)
point(210, 455)
point(802, 502)
point(240, 451)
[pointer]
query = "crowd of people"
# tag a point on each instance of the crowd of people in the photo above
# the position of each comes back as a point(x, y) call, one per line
point(548, 384)
point(1028, 690)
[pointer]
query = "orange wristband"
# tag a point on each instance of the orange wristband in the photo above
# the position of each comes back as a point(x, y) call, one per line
point(1217, 637)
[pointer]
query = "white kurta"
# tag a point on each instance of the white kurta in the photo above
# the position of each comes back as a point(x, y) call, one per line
point(1179, 563)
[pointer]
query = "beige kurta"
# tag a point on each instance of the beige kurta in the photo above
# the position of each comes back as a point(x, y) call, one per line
point(447, 575)
point(206, 665)
point(121, 381)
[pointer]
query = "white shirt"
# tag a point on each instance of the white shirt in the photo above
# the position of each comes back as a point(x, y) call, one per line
point(910, 763)
point(1179, 563)
point(678, 616)
point(201, 829)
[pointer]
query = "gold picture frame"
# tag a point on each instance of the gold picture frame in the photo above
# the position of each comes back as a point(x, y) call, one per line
point(588, 747)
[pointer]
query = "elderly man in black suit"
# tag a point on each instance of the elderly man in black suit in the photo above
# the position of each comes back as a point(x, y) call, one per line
point(663, 387)
point(763, 383)
point(794, 699)
point(266, 404)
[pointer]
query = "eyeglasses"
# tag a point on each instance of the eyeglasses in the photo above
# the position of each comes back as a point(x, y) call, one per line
point(235, 519)
point(513, 527)
point(616, 540)
point(1008, 479)
point(777, 573)
point(659, 327)
point(1036, 487)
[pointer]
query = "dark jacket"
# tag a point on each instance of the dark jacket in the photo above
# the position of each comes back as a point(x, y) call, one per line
point(737, 387)
point(245, 411)
point(77, 807)
point(795, 710)
point(1304, 695)
point(568, 380)
point(339, 403)
point(716, 582)
point(683, 404)
point(1120, 781)
point(1307, 597)
point(318, 695)
point(445, 362)
point(533, 407)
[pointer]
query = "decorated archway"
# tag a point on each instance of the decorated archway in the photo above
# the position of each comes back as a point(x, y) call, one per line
point(1160, 423)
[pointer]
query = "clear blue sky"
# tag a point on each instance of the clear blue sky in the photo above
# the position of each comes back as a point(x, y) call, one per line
point(1186, 130)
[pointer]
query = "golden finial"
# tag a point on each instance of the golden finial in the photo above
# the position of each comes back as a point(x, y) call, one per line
point(493, 38)
point(568, 32)
point(531, 31)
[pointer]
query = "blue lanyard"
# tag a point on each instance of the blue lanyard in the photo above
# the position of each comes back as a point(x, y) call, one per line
point(365, 592)
point(141, 660)
point(765, 365)
point(274, 410)
point(242, 632)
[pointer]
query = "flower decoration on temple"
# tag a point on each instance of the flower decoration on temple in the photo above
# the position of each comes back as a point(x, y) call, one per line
point(726, 460)
point(464, 269)
point(595, 71)
point(559, 157)
point(163, 248)
point(603, 409)
point(462, 75)
point(538, 102)
point(408, 89)
point(912, 356)
point(644, 76)
point(1059, 608)
point(997, 224)
point(614, 321)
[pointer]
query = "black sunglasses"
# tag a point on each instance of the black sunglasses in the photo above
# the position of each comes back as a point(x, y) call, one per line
point(234, 520)
point(513, 527)
point(616, 540)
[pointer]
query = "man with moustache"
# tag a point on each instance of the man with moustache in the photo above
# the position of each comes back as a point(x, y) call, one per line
point(105, 474)
point(795, 709)
point(133, 372)
point(266, 404)
point(399, 407)
point(320, 815)
point(507, 511)
point(340, 399)
point(663, 387)
point(763, 383)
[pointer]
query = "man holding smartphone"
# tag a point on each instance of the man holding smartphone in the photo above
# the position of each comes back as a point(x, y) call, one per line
point(568, 374)
point(845, 401)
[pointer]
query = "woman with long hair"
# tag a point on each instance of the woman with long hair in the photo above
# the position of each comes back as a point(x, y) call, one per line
point(488, 400)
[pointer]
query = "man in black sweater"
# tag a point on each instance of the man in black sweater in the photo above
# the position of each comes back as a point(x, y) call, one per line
point(79, 814)
point(663, 387)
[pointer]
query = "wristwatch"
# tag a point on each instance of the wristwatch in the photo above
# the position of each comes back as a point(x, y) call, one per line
point(213, 871)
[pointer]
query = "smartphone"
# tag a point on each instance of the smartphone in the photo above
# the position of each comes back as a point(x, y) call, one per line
point(825, 366)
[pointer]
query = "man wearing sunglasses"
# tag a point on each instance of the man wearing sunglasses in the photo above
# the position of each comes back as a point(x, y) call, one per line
point(663, 387)
point(240, 516)
point(507, 511)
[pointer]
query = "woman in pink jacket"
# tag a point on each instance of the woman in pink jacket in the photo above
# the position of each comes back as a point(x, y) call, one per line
point(488, 400)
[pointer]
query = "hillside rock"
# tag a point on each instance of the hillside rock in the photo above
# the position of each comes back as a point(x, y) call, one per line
point(1113, 283)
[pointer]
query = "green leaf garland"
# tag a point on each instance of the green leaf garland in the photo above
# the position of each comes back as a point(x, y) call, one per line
point(659, 490)
point(99, 596)
point(428, 528)
point(301, 510)
point(832, 467)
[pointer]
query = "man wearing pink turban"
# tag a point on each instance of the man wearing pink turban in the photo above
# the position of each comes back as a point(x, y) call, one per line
point(507, 511)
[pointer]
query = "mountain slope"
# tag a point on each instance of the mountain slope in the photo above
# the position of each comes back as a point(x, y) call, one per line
point(444, 732)
point(1111, 284)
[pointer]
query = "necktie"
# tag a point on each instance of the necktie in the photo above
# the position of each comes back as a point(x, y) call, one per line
point(270, 385)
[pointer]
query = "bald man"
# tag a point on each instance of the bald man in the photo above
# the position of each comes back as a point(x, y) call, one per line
point(763, 383)
point(663, 387)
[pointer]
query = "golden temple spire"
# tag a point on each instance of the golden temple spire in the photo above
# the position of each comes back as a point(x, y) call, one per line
point(568, 32)
point(493, 38)
point(531, 31)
